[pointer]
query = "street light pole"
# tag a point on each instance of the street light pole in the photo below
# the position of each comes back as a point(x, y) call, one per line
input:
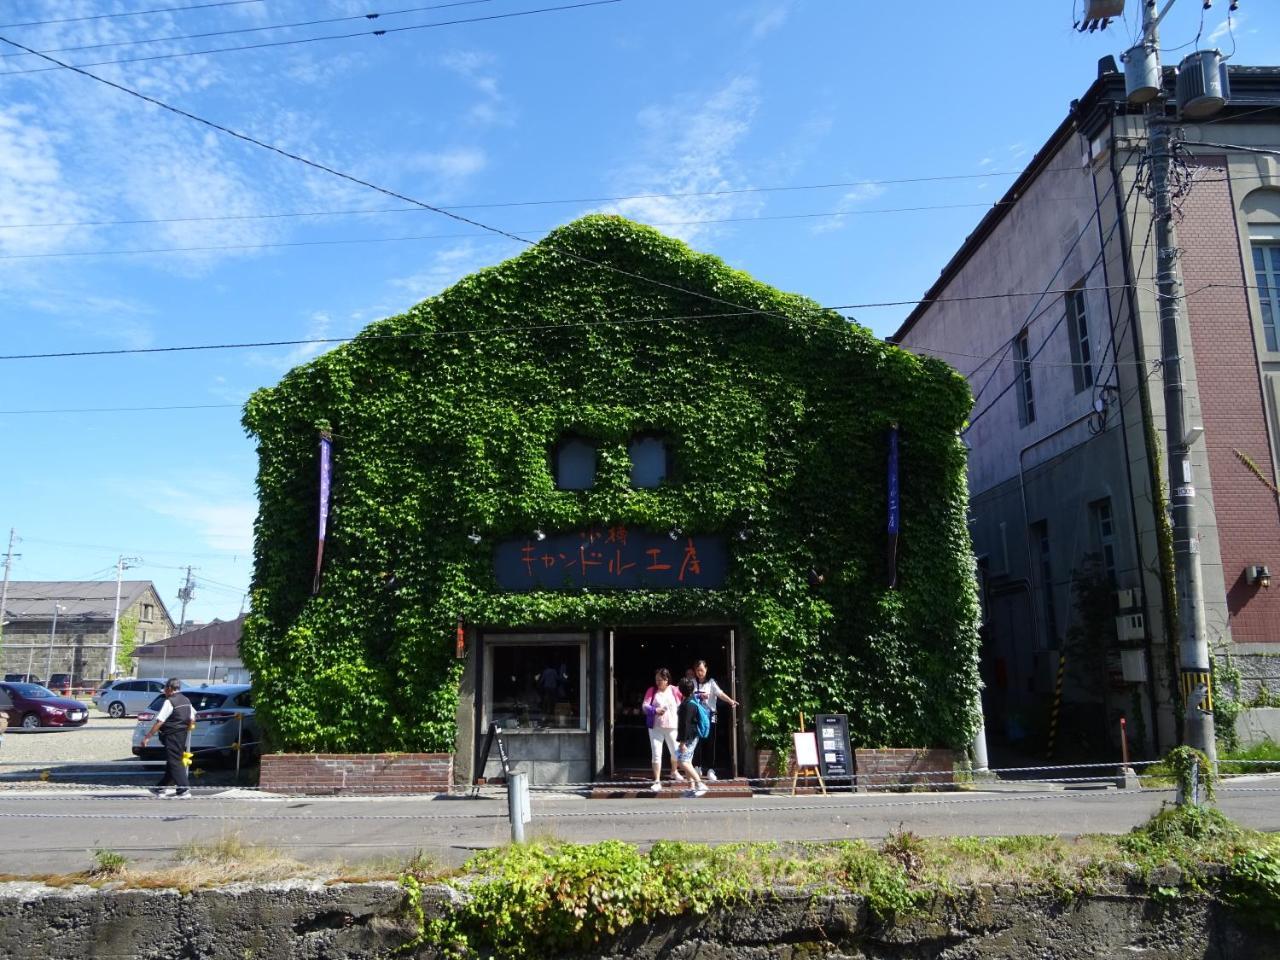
point(122, 564)
point(53, 630)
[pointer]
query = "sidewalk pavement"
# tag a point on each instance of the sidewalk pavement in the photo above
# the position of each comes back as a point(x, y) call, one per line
point(56, 829)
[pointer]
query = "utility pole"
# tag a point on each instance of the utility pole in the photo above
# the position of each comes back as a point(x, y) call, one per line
point(1193, 649)
point(1144, 83)
point(185, 594)
point(4, 590)
point(122, 564)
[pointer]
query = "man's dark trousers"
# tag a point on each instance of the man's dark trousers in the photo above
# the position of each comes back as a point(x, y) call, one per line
point(175, 771)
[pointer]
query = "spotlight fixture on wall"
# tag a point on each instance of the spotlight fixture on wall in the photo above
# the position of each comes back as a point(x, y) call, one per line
point(744, 534)
point(816, 579)
point(474, 535)
point(1258, 575)
point(674, 533)
point(539, 535)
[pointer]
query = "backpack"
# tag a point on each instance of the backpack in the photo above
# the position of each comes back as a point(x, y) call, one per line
point(702, 718)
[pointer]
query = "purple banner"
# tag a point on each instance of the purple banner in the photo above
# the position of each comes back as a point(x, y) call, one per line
point(894, 513)
point(326, 468)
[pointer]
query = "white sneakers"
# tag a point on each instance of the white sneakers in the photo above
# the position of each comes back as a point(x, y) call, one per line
point(699, 791)
point(656, 786)
point(678, 776)
point(710, 775)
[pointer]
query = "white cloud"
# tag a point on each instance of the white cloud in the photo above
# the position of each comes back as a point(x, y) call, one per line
point(767, 19)
point(688, 148)
point(218, 509)
point(479, 70)
point(33, 189)
point(447, 267)
point(1225, 27)
point(851, 199)
point(451, 164)
point(320, 326)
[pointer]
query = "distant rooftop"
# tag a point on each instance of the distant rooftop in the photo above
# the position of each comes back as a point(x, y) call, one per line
point(76, 599)
point(222, 635)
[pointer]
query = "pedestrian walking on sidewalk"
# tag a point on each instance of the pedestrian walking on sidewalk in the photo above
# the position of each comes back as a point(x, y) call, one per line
point(661, 702)
point(710, 694)
point(693, 721)
point(174, 721)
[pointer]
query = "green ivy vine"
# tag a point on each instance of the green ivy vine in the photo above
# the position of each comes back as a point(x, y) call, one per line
point(775, 413)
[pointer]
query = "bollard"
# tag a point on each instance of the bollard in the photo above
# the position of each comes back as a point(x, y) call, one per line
point(1124, 745)
point(518, 804)
point(239, 743)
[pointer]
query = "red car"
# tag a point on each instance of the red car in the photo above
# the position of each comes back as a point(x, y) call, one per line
point(36, 706)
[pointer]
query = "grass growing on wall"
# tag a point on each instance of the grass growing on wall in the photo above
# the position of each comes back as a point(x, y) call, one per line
point(775, 413)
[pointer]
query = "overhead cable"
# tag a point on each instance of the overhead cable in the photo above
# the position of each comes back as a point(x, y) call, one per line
point(128, 13)
point(686, 194)
point(242, 30)
point(287, 43)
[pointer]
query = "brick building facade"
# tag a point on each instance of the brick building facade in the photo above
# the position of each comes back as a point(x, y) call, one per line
point(1067, 442)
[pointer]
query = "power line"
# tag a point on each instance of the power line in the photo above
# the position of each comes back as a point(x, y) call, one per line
point(241, 30)
point(316, 165)
point(825, 214)
point(504, 330)
point(128, 13)
point(286, 43)
point(517, 203)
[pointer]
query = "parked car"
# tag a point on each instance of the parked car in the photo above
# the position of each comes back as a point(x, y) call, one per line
point(35, 706)
point(21, 678)
point(61, 681)
point(124, 698)
point(224, 715)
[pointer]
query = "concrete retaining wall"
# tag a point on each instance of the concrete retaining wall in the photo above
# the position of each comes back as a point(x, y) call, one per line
point(310, 920)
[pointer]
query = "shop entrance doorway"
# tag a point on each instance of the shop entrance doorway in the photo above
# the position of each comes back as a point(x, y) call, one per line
point(635, 654)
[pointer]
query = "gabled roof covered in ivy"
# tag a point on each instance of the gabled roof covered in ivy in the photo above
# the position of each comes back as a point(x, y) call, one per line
point(776, 413)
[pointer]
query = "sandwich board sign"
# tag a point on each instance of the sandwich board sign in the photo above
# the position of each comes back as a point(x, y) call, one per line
point(835, 757)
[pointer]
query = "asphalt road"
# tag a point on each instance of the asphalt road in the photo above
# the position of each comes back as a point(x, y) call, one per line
point(57, 829)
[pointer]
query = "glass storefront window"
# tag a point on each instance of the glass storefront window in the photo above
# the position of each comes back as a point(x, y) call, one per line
point(536, 686)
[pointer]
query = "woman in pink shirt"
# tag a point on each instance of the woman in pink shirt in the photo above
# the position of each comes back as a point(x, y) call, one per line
point(661, 703)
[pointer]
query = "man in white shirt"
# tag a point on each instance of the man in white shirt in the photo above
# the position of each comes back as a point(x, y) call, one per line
point(174, 720)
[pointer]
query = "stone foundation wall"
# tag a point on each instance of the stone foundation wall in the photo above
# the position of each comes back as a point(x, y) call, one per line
point(332, 773)
point(309, 920)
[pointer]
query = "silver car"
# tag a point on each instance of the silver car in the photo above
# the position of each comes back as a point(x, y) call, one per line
point(124, 698)
point(225, 722)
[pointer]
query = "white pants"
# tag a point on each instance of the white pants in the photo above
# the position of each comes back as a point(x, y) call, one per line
point(657, 737)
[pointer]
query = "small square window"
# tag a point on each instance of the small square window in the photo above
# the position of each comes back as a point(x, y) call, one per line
point(648, 461)
point(574, 462)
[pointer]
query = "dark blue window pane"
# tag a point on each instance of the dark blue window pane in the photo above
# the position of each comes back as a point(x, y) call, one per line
point(575, 465)
point(1275, 258)
point(648, 461)
point(1258, 262)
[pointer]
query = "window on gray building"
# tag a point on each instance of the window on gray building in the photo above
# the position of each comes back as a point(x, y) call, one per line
point(1040, 542)
point(1104, 535)
point(1078, 332)
point(1026, 396)
point(148, 612)
point(1266, 269)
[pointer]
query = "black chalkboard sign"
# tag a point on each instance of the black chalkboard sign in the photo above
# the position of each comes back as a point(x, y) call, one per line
point(835, 757)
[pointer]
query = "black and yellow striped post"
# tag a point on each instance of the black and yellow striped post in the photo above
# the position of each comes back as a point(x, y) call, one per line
point(1057, 705)
point(1197, 689)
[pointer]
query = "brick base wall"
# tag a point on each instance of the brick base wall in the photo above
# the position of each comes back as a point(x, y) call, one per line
point(902, 767)
point(353, 773)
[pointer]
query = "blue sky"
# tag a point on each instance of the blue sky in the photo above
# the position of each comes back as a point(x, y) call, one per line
point(634, 97)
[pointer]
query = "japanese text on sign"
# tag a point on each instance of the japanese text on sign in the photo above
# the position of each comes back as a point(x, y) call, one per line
point(615, 556)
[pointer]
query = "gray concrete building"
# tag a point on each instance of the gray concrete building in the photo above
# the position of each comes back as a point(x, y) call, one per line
point(1049, 309)
point(78, 641)
point(207, 654)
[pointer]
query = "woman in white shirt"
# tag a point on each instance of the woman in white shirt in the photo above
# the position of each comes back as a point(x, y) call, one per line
point(709, 692)
point(661, 704)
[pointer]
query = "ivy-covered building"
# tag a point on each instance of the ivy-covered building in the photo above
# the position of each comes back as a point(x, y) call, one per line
point(607, 455)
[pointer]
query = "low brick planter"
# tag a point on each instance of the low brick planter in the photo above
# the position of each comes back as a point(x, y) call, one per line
point(351, 773)
point(904, 767)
